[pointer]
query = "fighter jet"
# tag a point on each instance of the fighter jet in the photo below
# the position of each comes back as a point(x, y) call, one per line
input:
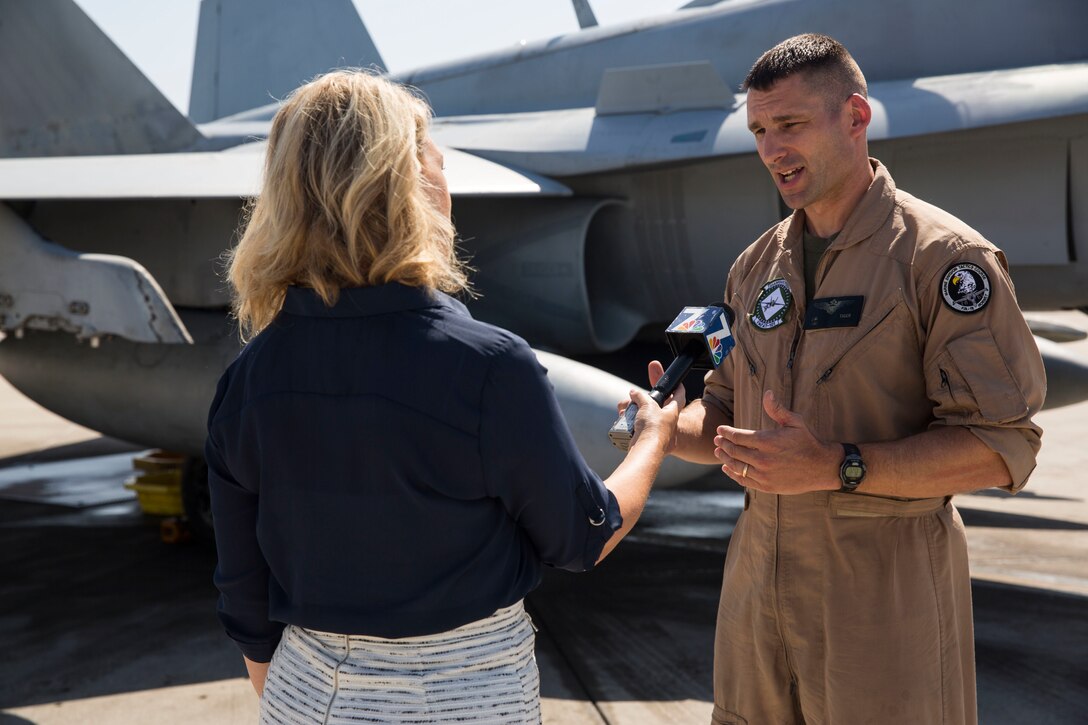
point(602, 180)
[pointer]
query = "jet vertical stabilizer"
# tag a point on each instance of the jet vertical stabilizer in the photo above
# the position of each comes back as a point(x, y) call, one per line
point(74, 92)
point(250, 53)
point(586, 18)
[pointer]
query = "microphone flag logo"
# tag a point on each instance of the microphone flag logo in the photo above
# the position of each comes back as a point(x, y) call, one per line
point(694, 322)
point(719, 338)
point(716, 352)
point(710, 325)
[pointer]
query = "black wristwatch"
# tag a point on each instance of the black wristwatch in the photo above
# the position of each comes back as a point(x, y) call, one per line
point(852, 471)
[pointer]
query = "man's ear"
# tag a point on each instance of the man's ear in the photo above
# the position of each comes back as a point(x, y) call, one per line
point(861, 113)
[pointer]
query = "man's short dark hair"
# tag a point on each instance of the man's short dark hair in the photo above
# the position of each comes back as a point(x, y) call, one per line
point(812, 53)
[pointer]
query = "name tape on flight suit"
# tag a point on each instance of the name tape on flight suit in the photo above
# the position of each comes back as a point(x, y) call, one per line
point(827, 312)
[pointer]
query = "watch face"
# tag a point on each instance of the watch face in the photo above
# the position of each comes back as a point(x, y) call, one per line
point(853, 471)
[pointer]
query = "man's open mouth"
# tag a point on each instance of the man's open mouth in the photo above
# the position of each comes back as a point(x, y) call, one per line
point(788, 176)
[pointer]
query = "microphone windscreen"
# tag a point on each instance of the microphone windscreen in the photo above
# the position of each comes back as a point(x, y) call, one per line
point(730, 316)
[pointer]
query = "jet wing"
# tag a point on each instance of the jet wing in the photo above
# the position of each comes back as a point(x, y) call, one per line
point(47, 287)
point(583, 140)
point(233, 173)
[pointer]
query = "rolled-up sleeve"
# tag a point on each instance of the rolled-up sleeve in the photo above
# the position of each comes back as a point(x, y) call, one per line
point(241, 574)
point(983, 369)
point(531, 463)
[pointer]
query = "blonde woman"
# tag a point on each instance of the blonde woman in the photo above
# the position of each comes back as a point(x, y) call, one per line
point(389, 475)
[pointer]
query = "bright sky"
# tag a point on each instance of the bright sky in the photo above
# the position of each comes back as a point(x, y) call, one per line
point(160, 36)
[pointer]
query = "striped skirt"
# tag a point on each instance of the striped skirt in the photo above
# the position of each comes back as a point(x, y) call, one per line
point(483, 672)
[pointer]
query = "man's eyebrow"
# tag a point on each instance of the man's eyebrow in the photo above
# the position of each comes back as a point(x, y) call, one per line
point(775, 119)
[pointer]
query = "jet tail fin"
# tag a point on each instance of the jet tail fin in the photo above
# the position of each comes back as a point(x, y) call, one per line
point(699, 4)
point(251, 52)
point(586, 18)
point(67, 90)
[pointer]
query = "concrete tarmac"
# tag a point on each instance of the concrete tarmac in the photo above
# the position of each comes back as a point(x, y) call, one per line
point(100, 622)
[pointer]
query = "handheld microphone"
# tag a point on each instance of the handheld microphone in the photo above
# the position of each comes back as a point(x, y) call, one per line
point(700, 338)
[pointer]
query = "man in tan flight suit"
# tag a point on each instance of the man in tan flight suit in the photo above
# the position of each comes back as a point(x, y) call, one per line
point(882, 365)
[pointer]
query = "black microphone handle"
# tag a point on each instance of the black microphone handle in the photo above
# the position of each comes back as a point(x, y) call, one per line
point(623, 429)
point(673, 376)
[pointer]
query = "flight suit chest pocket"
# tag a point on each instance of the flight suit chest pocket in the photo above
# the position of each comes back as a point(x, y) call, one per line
point(974, 383)
point(882, 342)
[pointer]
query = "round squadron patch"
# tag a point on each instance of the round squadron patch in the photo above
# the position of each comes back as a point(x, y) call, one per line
point(772, 305)
point(965, 287)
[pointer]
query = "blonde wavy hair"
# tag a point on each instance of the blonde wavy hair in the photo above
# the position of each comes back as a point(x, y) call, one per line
point(344, 202)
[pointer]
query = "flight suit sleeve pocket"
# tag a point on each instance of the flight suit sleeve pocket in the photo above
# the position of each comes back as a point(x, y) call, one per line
point(973, 374)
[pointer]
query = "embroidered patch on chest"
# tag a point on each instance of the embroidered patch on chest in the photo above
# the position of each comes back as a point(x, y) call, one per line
point(965, 287)
point(772, 305)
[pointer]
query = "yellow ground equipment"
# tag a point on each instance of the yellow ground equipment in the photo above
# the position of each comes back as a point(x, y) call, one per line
point(157, 484)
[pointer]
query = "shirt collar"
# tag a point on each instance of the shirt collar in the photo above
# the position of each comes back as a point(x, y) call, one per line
point(868, 216)
point(367, 301)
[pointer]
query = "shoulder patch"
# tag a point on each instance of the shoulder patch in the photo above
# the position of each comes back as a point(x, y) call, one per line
point(772, 305)
point(965, 287)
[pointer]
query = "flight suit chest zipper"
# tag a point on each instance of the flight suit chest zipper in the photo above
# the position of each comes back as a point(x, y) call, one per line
point(787, 393)
point(793, 350)
point(740, 338)
point(751, 365)
point(827, 373)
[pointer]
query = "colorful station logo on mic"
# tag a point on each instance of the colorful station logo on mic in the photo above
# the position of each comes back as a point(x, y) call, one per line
point(708, 322)
point(690, 320)
point(719, 339)
point(717, 352)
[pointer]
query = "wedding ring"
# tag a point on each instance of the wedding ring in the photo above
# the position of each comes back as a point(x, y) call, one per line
point(744, 473)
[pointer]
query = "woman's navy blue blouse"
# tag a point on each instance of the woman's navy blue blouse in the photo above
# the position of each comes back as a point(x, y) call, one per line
point(391, 467)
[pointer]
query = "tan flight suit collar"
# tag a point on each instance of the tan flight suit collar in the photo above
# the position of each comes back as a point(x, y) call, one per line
point(867, 218)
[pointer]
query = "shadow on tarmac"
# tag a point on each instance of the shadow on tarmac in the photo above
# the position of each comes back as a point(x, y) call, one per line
point(1000, 519)
point(1023, 495)
point(103, 607)
point(102, 446)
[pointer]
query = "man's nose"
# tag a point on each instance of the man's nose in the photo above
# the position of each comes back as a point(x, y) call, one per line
point(771, 150)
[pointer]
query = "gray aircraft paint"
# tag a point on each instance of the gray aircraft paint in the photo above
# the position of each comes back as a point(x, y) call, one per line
point(917, 39)
point(56, 103)
point(602, 180)
point(233, 33)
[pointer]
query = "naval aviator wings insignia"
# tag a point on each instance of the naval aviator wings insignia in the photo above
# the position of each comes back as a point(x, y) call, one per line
point(827, 312)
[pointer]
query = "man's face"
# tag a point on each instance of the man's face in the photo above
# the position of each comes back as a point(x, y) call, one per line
point(806, 145)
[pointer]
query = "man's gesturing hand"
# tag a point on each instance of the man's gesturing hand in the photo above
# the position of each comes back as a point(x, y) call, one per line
point(786, 460)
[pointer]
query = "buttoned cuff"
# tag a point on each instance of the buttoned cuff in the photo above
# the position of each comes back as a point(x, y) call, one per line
point(611, 521)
